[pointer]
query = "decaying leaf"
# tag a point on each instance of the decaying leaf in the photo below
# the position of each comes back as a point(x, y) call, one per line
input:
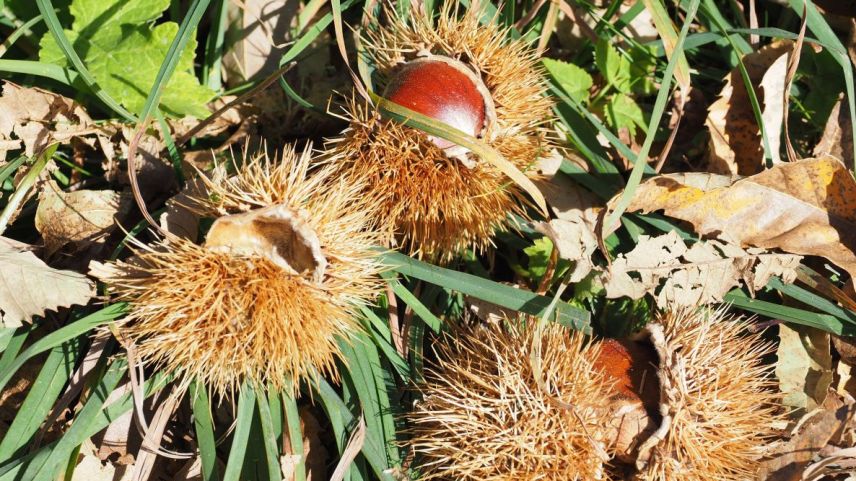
point(687, 276)
point(33, 118)
point(804, 366)
point(806, 207)
point(28, 287)
point(90, 468)
point(82, 216)
point(735, 145)
point(258, 32)
point(830, 424)
point(572, 230)
point(837, 138)
point(574, 238)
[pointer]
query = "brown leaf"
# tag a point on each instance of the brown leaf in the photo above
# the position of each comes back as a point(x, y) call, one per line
point(28, 287)
point(257, 34)
point(806, 207)
point(804, 366)
point(573, 235)
point(35, 118)
point(687, 276)
point(81, 217)
point(789, 460)
point(735, 145)
point(837, 138)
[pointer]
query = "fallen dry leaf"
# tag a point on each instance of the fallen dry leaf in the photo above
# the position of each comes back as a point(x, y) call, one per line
point(258, 31)
point(28, 287)
point(33, 118)
point(572, 231)
point(803, 366)
point(79, 217)
point(789, 460)
point(837, 138)
point(806, 207)
point(575, 240)
point(735, 145)
point(90, 468)
point(678, 275)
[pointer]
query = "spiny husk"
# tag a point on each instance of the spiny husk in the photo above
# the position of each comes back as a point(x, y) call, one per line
point(224, 318)
point(433, 205)
point(717, 399)
point(484, 417)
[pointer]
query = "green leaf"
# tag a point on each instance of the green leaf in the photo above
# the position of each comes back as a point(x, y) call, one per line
point(490, 291)
point(124, 52)
point(243, 422)
point(614, 67)
point(204, 427)
point(45, 390)
point(539, 257)
point(574, 80)
point(622, 112)
point(643, 65)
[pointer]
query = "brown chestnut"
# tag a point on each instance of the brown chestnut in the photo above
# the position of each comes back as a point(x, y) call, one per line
point(632, 365)
point(443, 89)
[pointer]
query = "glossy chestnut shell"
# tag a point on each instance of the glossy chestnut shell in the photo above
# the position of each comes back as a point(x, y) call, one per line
point(443, 89)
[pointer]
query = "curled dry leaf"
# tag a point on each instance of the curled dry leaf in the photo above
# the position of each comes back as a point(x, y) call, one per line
point(735, 145)
point(687, 276)
point(804, 366)
point(575, 240)
point(827, 425)
point(837, 138)
point(572, 230)
point(79, 217)
point(806, 207)
point(34, 118)
point(28, 287)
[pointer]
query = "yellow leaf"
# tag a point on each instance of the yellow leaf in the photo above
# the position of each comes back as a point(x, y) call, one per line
point(806, 207)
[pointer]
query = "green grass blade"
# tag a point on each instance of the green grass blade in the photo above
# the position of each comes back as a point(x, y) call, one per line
point(18, 33)
point(80, 426)
point(818, 26)
point(47, 11)
point(77, 328)
point(295, 435)
point(408, 298)
point(366, 378)
point(10, 168)
point(6, 335)
point(170, 62)
point(382, 338)
point(13, 347)
point(486, 290)
point(13, 470)
point(212, 69)
point(826, 322)
point(667, 32)
point(340, 418)
point(270, 442)
point(300, 45)
point(23, 187)
point(243, 422)
point(43, 393)
point(807, 297)
point(204, 427)
point(656, 115)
